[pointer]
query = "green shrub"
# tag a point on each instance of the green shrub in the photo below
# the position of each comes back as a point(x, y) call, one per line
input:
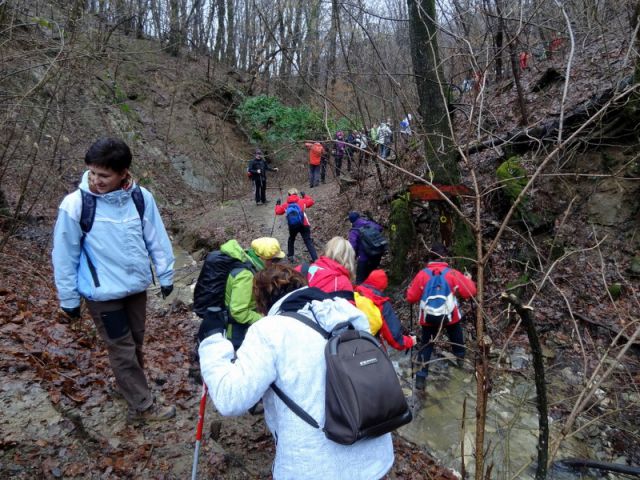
point(270, 122)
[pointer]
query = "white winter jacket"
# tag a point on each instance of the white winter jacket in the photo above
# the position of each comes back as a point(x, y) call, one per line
point(282, 349)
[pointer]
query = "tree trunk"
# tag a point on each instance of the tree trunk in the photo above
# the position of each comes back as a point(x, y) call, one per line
point(330, 79)
point(174, 28)
point(218, 49)
point(231, 44)
point(427, 69)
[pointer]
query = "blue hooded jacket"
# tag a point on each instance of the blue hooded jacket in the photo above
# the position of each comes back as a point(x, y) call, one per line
point(118, 244)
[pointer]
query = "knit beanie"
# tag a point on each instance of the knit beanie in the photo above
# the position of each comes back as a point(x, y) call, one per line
point(353, 216)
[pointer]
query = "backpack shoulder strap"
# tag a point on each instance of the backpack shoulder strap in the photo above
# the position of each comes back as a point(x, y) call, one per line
point(88, 212)
point(138, 200)
point(87, 216)
point(308, 323)
point(295, 408)
point(288, 401)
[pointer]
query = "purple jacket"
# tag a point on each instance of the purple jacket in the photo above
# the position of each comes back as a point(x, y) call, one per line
point(354, 235)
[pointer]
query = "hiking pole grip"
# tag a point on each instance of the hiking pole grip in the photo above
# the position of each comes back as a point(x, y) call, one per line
point(203, 404)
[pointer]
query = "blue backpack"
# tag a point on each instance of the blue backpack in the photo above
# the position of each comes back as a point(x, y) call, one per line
point(294, 215)
point(438, 302)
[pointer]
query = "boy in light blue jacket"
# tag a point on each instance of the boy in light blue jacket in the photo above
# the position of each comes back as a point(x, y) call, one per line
point(105, 233)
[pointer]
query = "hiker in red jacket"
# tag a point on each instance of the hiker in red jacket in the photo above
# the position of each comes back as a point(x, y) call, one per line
point(391, 329)
point(334, 270)
point(316, 151)
point(461, 286)
point(297, 221)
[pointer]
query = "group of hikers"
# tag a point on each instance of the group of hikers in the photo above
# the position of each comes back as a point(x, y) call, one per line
point(355, 146)
point(255, 341)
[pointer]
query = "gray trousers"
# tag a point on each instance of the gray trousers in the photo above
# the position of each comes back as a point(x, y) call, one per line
point(120, 324)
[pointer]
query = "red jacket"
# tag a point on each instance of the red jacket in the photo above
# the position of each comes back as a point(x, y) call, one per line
point(315, 152)
point(328, 275)
point(303, 203)
point(460, 285)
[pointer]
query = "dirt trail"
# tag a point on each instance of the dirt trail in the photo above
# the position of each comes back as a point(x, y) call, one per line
point(268, 224)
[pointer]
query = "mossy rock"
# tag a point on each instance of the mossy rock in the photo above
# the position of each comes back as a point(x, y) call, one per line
point(513, 177)
point(464, 245)
point(401, 237)
point(615, 290)
point(518, 286)
point(634, 267)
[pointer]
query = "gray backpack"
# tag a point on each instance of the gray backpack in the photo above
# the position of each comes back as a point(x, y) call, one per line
point(363, 396)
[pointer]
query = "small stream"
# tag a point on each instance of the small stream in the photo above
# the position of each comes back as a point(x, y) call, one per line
point(511, 426)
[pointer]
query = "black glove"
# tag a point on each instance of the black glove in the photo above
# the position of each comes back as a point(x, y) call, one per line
point(166, 291)
point(278, 202)
point(72, 313)
point(301, 194)
point(215, 321)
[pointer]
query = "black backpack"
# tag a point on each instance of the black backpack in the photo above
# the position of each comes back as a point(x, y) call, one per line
point(363, 396)
point(210, 287)
point(88, 215)
point(372, 241)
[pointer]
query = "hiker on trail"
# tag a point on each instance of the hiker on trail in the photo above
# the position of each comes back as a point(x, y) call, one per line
point(373, 287)
point(297, 220)
point(351, 142)
point(281, 350)
point(437, 313)
point(333, 271)
point(385, 138)
point(367, 257)
point(374, 138)
point(405, 130)
point(258, 170)
point(339, 150)
point(324, 163)
point(316, 151)
point(105, 233)
point(226, 282)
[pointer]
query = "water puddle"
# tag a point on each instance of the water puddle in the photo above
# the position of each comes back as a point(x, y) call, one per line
point(511, 427)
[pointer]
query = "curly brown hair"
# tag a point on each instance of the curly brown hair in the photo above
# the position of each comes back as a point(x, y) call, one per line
point(273, 283)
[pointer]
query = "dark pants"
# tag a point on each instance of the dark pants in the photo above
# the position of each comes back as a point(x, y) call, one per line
point(120, 324)
point(365, 267)
point(429, 332)
point(338, 162)
point(314, 175)
point(323, 169)
point(261, 189)
point(305, 231)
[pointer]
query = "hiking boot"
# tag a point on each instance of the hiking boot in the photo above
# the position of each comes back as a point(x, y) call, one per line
point(291, 259)
point(460, 362)
point(421, 382)
point(258, 203)
point(265, 202)
point(155, 413)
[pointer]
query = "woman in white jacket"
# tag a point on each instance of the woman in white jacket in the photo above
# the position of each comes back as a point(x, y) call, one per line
point(283, 350)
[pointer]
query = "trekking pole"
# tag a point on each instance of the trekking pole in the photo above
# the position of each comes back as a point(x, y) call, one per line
point(411, 330)
point(203, 404)
point(273, 225)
